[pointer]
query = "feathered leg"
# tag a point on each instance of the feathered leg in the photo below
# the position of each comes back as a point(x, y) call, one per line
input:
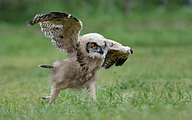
point(54, 94)
point(91, 91)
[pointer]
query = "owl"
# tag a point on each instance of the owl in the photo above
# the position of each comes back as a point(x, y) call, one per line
point(86, 54)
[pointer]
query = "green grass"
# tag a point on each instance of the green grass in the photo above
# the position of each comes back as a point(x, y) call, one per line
point(155, 83)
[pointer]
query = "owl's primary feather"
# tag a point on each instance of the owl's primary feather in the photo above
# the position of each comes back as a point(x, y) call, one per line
point(86, 54)
point(117, 54)
point(62, 28)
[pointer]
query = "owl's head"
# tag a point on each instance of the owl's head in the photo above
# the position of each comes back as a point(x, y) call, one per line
point(94, 45)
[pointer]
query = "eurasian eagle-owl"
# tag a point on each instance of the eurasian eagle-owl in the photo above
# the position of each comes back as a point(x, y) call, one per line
point(86, 54)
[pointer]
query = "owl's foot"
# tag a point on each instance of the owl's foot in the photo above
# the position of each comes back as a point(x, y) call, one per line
point(50, 100)
point(47, 97)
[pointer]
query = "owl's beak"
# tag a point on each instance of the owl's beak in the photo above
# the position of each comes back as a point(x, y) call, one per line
point(100, 50)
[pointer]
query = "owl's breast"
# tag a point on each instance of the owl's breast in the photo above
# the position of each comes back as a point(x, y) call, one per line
point(83, 81)
point(83, 77)
point(72, 74)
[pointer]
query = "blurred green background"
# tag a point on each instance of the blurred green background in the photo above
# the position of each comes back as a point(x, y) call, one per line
point(155, 83)
point(18, 11)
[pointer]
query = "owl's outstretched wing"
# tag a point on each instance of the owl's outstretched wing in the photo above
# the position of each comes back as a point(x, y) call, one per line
point(117, 54)
point(62, 28)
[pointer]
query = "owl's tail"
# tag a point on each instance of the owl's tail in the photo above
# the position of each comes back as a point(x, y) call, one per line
point(46, 66)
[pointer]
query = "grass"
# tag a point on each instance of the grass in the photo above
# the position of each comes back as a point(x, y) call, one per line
point(155, 83)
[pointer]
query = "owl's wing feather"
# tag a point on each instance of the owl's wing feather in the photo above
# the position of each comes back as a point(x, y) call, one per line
point(117, 54)
point(62, 28)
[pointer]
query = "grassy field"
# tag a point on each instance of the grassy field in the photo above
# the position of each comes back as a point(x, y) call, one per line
point(154, 84)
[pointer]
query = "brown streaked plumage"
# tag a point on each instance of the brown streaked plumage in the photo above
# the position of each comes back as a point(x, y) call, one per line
point(86, 54)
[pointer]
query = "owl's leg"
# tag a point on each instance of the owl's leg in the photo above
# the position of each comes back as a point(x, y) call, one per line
point(91, 91)
point(54, 94)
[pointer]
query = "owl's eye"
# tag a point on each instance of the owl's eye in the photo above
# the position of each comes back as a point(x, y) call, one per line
point(94, 46)
point(104, 46)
